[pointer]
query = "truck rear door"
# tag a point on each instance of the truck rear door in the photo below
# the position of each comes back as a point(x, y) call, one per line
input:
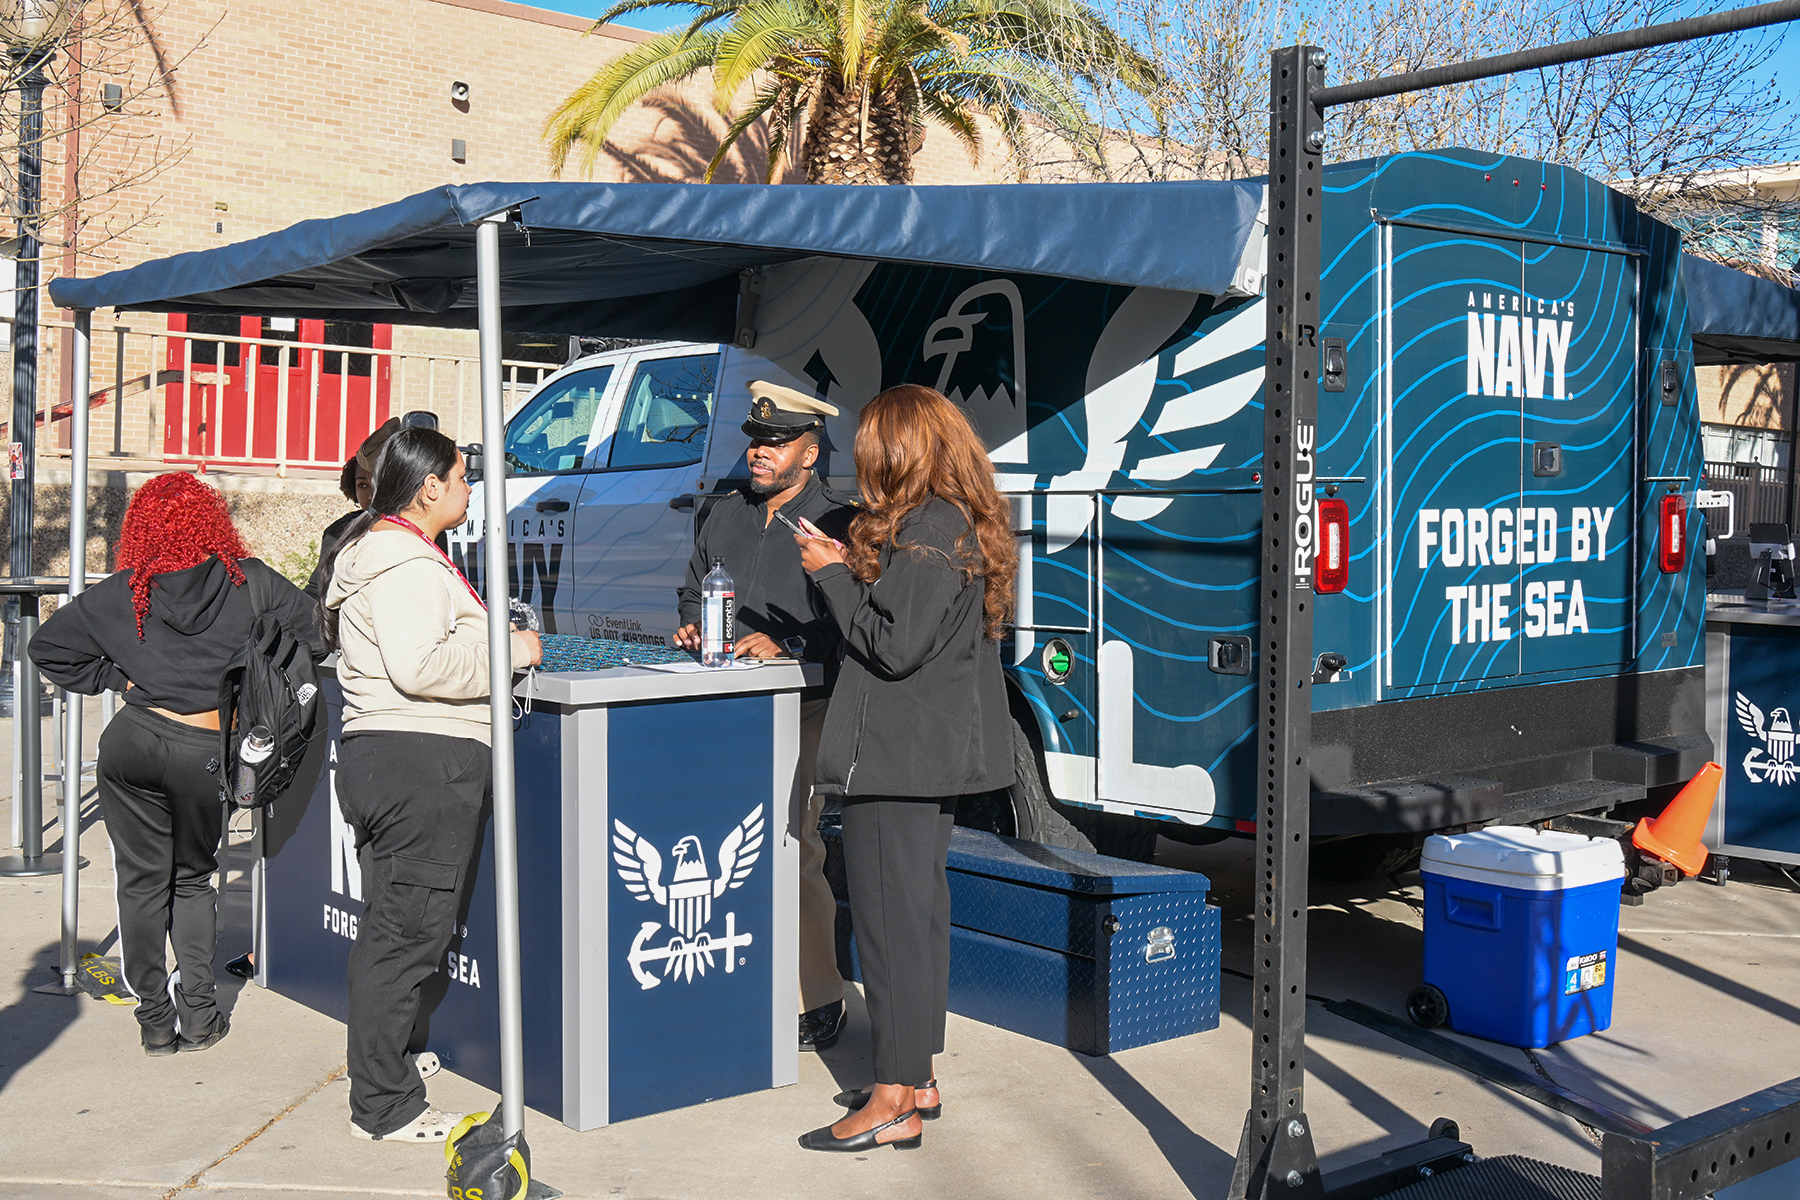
point(1507, 437)
point(1580, 307)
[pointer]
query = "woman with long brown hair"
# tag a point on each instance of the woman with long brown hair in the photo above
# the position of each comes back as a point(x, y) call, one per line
point(921, 593)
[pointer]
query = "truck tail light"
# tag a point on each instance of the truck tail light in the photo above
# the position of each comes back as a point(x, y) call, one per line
point(1332, 571)
point(1674, 533)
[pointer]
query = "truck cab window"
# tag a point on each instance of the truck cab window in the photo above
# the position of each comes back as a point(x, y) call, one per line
point(551, 432)
point(667, 411)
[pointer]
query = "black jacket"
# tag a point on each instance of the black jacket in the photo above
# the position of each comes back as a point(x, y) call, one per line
point(774, 596)
point(920, 706)
point(197, 622)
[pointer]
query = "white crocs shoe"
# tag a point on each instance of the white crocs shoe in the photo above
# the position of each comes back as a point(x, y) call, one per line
point(427, 1062)
point(432, 1125)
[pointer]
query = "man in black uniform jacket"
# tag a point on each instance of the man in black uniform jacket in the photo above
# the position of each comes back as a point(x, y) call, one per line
point(780, 613)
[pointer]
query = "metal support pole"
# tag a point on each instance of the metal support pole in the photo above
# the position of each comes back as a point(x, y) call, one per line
point(81, 348)
point(506, 830)
point(25, 313)
point(1275, 1154)
point(28, 793)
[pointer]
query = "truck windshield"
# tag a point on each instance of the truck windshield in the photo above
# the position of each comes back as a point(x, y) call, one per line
point(551, 432)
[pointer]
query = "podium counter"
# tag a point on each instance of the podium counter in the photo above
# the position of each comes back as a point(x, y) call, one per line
point(658, 894)
point(1752, 698)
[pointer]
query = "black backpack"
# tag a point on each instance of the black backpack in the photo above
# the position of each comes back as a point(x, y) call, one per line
point(270, 683)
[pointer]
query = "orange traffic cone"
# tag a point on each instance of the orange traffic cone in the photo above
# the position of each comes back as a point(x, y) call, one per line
point(1675, 836)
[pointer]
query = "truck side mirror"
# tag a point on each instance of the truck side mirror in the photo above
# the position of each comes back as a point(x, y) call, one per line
point(472, 461)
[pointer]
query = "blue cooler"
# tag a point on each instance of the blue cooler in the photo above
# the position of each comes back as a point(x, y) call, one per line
point(1522, 932)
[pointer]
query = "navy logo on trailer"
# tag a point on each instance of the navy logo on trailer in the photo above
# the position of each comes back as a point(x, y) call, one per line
point(1773, 761)
point(688, 896)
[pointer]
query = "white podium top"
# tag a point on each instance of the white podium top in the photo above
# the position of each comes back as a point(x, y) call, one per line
point(624, 685)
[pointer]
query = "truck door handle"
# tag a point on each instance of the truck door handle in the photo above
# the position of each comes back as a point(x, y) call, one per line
point(682, 503)
point(552, 506)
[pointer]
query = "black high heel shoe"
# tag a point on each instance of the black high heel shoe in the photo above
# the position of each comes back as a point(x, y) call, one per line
point(855, 1100)
point(823, 1139)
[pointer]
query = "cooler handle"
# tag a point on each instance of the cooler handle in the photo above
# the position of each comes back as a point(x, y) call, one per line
point(1472, 905)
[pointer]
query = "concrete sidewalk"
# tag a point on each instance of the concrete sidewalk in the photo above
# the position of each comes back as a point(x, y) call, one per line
point(1705, 1012)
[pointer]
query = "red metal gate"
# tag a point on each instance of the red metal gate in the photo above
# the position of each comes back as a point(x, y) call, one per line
point(224, 410)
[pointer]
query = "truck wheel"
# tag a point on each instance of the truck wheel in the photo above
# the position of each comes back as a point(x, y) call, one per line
point(1427, 1007)
point(1028, 811)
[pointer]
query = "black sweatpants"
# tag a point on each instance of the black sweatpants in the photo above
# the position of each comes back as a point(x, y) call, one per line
point(894, 852)
point(164, 817)
point(416, 802)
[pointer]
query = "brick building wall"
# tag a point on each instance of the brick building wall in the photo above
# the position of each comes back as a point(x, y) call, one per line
point(1759, 397)
point(289, 112)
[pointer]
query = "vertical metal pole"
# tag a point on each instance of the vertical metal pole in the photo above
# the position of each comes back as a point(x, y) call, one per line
point(16, 652)
point(82, 350)
point(25, 312)
point(1275, 1155)
point(506, 831)
point(119, 332)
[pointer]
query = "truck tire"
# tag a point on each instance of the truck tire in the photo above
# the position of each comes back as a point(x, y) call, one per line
point(1028, 811)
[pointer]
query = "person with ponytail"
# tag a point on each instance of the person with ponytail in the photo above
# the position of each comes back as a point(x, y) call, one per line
point(414, 766)
point(162, 629)
point(922, 593)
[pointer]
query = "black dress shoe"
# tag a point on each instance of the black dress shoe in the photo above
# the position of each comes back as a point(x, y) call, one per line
point(855, 1100)
point(157, 1048)
point(823, 1139)
point(819, 1028)
point(243, 966)
point(220, 1028)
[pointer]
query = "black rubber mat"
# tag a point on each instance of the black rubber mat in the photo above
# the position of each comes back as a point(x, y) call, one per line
point(1506, 1178)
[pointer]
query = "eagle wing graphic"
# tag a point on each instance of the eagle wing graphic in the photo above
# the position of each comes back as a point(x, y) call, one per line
point(640, 864)
point(739, 851)
point(1751, 718)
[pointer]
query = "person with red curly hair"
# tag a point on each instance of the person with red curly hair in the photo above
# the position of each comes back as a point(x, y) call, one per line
point(161, 630)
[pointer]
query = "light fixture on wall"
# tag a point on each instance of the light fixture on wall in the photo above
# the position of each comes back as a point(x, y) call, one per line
point(112, 97)
point(459, 150)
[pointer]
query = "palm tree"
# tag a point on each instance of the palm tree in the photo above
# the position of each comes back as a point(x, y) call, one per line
point(850, 84)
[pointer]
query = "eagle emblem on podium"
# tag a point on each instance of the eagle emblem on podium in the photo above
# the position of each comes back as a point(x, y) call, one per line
point(687, 897)
point(1773, 761)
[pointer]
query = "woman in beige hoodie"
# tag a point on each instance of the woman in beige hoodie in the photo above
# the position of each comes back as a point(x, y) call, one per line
point(413, 771)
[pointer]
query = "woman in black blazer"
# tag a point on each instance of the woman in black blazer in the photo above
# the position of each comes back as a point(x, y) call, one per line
point(922, 593)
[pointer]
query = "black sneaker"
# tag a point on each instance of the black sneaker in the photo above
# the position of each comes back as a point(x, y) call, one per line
point(220, 1028)
point(156, 1047)
point(819, 1028)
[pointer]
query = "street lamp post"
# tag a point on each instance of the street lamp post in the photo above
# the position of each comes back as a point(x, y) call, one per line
point(31, 31)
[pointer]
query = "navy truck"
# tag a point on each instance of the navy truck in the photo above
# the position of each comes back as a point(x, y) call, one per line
point(1508, 618)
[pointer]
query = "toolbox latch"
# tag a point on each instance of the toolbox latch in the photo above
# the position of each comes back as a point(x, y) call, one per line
point(1161, 945)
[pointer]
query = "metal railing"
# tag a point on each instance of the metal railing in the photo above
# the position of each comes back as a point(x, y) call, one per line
point(1761, 491)
point(310, 374)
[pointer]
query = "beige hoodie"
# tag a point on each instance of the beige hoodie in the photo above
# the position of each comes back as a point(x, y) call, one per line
point(412, 641)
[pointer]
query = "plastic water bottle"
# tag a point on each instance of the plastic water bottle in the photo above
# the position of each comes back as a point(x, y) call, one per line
point(718, 617)
point(256, 747)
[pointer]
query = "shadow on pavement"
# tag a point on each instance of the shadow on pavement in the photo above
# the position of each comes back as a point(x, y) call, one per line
point(1712, 979)
point(1203, 1168)
point(32, 1022)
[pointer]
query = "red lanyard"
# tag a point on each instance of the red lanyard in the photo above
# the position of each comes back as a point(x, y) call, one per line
point(406, 524)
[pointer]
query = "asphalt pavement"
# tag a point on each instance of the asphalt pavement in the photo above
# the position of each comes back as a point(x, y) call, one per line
point(1706, 1010)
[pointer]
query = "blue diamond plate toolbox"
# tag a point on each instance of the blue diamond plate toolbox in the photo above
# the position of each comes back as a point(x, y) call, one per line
point(1081, 950)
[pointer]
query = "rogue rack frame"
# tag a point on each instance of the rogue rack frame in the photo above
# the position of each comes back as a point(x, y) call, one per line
point(1276, 1156)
